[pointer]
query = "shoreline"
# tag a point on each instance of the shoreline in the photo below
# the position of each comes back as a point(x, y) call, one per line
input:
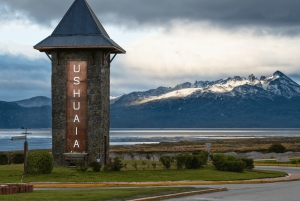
point(239, 146)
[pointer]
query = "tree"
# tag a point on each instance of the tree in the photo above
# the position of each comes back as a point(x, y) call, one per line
point(277, 148)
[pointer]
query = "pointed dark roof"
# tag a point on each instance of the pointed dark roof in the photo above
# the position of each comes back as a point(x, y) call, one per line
point(79, 28)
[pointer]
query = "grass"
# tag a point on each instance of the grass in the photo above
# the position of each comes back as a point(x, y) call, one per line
point(293, 161)
point(99, 194)
point(13, 174)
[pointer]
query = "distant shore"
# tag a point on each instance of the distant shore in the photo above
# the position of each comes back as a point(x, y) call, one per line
point(217, 146)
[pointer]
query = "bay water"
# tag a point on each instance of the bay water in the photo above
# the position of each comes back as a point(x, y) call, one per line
point(42, 138)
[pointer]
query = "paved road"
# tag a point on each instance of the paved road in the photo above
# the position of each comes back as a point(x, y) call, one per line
point(282, 191)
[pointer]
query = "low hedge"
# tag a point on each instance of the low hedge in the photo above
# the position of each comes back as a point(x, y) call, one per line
point(18, 158)
point(4, 159)
point(230, 163)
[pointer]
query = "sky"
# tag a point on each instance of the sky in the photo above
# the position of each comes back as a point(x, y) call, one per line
point(168, 42)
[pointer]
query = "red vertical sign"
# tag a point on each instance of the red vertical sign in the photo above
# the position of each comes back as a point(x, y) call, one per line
point(76, 132)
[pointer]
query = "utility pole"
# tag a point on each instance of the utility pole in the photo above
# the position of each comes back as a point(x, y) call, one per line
point(25, 150)
point(25, 146)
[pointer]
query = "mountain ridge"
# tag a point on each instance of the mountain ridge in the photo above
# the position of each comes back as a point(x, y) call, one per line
point(233, 102)
point(277, 84)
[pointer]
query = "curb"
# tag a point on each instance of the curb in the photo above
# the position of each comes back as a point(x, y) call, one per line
point(291, 177)
point(175, 195)
point(281, 165)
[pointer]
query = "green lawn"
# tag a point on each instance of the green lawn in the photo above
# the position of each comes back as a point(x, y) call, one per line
point(99, 194)
point(13, 174)
point(294, 161)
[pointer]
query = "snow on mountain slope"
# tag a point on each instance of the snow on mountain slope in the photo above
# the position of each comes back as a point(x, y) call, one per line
point(113, 99)
point(178, 94)
point(277, 84)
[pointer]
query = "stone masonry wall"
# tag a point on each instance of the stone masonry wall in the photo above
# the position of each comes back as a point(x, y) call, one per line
point(98, 103)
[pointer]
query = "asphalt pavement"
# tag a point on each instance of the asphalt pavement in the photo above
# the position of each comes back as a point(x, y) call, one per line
point(280, 191)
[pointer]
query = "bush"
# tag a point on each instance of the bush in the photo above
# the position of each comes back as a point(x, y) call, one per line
point(3, 159)
point(180, 161)
point(96, 166)
point(195, 161)
point(166, 161)
point(18, 158)
point(135, 166)
point(277, 148)
point(233, 166)
point(40, 162)
point(293, 162)
point(228, 163)
point(154, 165)
point(249, 163)
point(114, 165)
point(218, 160)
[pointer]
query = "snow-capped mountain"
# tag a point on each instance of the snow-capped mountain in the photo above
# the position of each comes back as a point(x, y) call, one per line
point(234, 102)
point(276, 85)
point(113, 99)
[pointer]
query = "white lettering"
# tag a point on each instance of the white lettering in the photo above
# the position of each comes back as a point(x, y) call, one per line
point(76, 118)
point(76, 93)
point(76, 80)
point(76, 131)
point(78, 106)
point(76, 144)
point(78, 70)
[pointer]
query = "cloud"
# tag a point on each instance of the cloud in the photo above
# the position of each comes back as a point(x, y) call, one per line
point(173, 56)
point(167, 41)
point(22, 78)
point(137, 13)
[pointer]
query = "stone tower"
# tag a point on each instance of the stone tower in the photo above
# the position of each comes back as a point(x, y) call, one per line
point(79, 49)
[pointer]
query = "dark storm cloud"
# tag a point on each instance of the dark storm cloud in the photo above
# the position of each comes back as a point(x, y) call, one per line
point(22, 78)
point(132, 13)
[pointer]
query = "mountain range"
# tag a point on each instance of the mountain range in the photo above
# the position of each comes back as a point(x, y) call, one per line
point(234, 102)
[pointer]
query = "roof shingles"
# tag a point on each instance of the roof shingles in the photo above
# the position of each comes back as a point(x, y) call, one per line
point(79, 28)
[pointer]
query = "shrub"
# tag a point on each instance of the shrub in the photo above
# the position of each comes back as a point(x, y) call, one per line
point(180, 161)
point(135, 166)
point(218, 160)
point(148, 157)
point(166, 161)
point(154, 165)
point(96, 166)
point(249, 163)
point(143, 165)
point(3, 159)
point(233, 166)
point(195, 161)
point(40, 162)
point(114, 165)
point(18, 158)
point(277, 148)
point(293, 162)
point(228, 163)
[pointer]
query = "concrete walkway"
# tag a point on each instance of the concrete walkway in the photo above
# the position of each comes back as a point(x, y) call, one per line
point(290, 177)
